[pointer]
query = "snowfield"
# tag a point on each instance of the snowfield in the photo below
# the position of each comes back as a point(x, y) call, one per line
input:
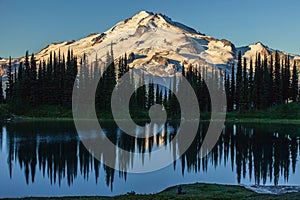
point(160, 46)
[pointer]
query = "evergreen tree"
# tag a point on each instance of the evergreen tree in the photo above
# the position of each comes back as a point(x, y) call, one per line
point(141, 93)
point(125, 63)
point(251, 85)
point(238, 87)
point(27, 65)
point(174, 107)
point(9, 84)
point(15, 75)
point(55, 78)
point(150, 95)
point(33, 68)
point(40, 71)
point(198, 89)
point(43, 83)
point(158, 99)
point(32, 81)
point(1, 92)
point(112, 56)
point(62, 82)
point(49, 87)
point(294, 86)
point(258, 83)
point(227, 90)
point(71, 73)
point(52, 83)
point(19, 86)
point(286, 76)
point(271, 83)
point(265, 84)
point(205, 103)
point(183, 70)
point(282, 80)
point(221, 86)
point(40, 86)
point(245, 85)
point(109, 82)
point(20, 72)
point(277, 80)
point(232, 89)
point(33, 85)
point(120, 68)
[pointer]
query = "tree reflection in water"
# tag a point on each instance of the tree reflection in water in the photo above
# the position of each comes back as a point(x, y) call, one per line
point(262, 152)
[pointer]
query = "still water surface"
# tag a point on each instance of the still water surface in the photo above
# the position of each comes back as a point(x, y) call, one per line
point(48, 159)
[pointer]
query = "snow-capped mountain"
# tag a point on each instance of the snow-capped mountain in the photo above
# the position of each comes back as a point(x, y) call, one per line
point(250, 52)
point(151, 37)
point(160, 45)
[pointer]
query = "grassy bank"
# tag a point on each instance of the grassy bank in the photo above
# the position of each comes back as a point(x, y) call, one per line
point(195, 191)
point(288, 113)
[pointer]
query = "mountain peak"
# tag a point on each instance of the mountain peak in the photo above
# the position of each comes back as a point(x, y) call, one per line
point(143, 14)
point(159, 45)
point(260, 44)
point(152, 21)
point(250, 51)
point(151, 35)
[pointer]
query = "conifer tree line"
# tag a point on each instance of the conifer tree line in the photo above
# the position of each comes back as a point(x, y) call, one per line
point(268, 82)
point(143, 97)
point(253, 84)
point(43, 83)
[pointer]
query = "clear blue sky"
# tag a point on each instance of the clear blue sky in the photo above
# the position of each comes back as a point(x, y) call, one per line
point(32, 24)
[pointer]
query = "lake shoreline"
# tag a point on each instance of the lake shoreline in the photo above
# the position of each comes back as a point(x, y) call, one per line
point(281, 114)
point(230, 120)
point(190, 191)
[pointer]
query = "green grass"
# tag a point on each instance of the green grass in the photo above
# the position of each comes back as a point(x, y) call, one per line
point(287, 113)
point(50, 111)
point(194, 191)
